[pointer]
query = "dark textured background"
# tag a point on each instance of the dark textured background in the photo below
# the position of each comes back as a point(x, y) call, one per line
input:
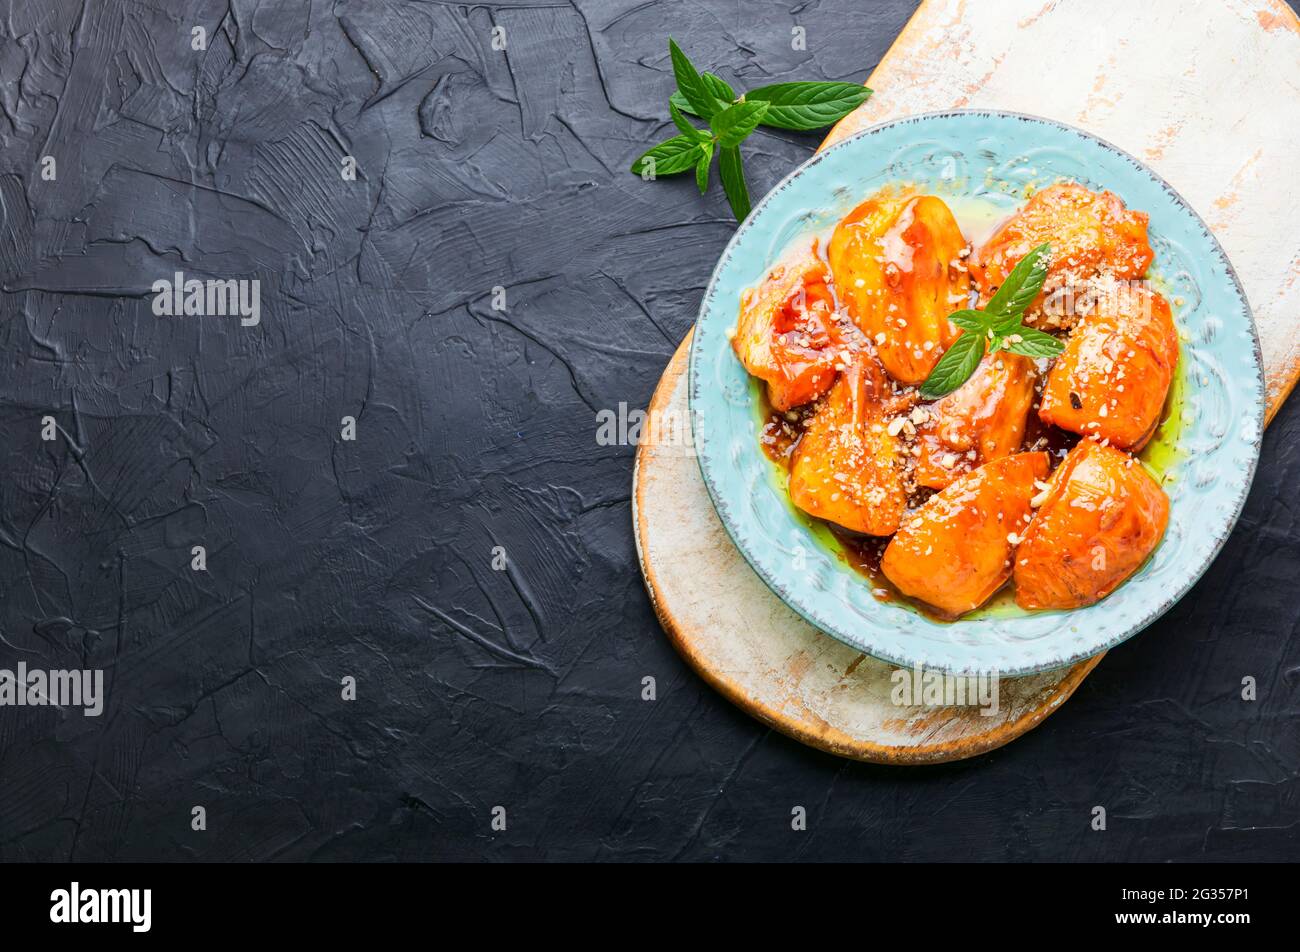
point(476, 428)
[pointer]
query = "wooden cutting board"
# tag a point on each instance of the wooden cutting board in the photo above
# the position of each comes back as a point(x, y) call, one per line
point(1208, 95)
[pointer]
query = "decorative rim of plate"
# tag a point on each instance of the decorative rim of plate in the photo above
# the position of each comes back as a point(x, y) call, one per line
point(951, 664)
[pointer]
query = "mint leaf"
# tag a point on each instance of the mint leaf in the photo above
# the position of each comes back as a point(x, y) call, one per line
point(722, 93)
point(702, 166)
point(735, 122)
point(681, 123)
point(718, 88)
point(670, 157)
point(690, 84)
point(808, 105)
point(1004, 324)
point(1022, 284)
point(1033, 343)
point(955, 366)
point(731, 170)
point(970, 319)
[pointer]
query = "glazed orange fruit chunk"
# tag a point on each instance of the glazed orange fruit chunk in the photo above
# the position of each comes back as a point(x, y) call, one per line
point(957, 549)
point(1112, 379)
point(1092, 235)
point(980, 421)
point(786, 335)
point(897, 269)
point(1102, 516)
point(846, 468)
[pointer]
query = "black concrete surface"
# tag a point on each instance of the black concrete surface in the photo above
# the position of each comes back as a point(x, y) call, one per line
point(372, 558)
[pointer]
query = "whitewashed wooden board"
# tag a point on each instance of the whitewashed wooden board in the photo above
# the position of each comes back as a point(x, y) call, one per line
point(1208, 95)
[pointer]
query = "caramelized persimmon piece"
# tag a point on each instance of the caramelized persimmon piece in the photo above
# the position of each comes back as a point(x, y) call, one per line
point(1102, 515)
point(1092, 234)
point(897, 269)
point(956, 550)
point(847, 468)
point(787, 334)
point(980, 421)
point(1113, 378)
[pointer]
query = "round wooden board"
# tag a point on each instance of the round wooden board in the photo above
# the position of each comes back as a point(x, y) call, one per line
point(764, 658)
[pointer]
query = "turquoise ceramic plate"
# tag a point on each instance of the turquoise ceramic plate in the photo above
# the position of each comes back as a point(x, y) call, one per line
point(1208, 447)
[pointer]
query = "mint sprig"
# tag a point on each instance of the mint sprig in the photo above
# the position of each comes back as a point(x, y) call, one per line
point(731, 119)
point(999, 326)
